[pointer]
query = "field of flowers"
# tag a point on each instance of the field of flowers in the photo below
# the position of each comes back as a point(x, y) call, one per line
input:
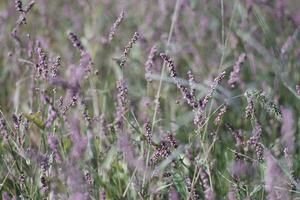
point(150, 99)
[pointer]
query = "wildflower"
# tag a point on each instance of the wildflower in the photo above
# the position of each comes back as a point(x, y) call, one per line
point(171, 140)
point(191, 188)
point(103, 194)
point(237, 135)
point(250, 109)
point(128, 48)
point(3, 128)
point(199, 117)
point(286, 47)
point(220, 115)
point(265, 102)
point(234, 75)
point(274, 179)
point(44, 162)
point(53, 114)
point(160, 153)
point(233, 193)
point(115, 26)
point(22, 180)
point(287, 129)
point(103, 126)
point(76, 42)
point(298, 89)
point(16, 120)
point(19, 5)
point(280, 9)
point(54, 145)
point(192, 83)
point(5, 196)
point(254, 141)
point(184, 91)
point(239, 140)
point(122, 100)
point(170, 64)
point(44, 184)
point(208, 192)
point(150, 63)
point(79, 141)
point(148, 132)
point(173, 194)
point(86, 61)
point(55, 67)
point(88, 177)
point(42, 66)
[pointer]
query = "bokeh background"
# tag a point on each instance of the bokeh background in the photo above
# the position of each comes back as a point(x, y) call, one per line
point(205, 37)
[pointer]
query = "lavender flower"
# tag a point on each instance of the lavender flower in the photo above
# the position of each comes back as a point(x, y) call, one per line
point(54, 145)
point(22, 180)
point(77, 183)
point(192, 83)
point(79, 142)
point(150, 63)
point(172, 140)
point(86, 61)
point(173, 194)
point(191, 188)
point(160, 153)
point(234, 75)
point(76, 42)
point(250, 109)
point(55, 66)
point(19, 5)
point(288, 130)
point(274, 179)
point(5, 196)
point(208, 192)
point(103, 126)
point(220, 115)
point(128, 47)
point(298, 89)
point(122, 100)
point(254, 141)
point(199, 117)
point(44, 184)
point(237, 135)
point(17, 120)
point(184, 91)
point(233, 193)
point(42, 66)
point(280, 9)
point(148, 132)
point(3, 128)
point(88, 177)
point(52, 116)
point(239, 140)
point(115, 26)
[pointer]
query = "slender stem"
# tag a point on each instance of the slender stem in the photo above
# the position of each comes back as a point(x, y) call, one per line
point(174, 19)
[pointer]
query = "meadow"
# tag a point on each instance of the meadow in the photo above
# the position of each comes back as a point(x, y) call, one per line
point(150, 99)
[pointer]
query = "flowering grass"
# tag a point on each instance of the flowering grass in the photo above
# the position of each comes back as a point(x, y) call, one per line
point(182, 99)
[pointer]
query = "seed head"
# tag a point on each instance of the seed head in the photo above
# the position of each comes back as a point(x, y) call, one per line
point(234, 75)
point(122, 100)
point(115, 26)
point(76, 42)
point(148, 132)
point(150, 63)
point(128, 47)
